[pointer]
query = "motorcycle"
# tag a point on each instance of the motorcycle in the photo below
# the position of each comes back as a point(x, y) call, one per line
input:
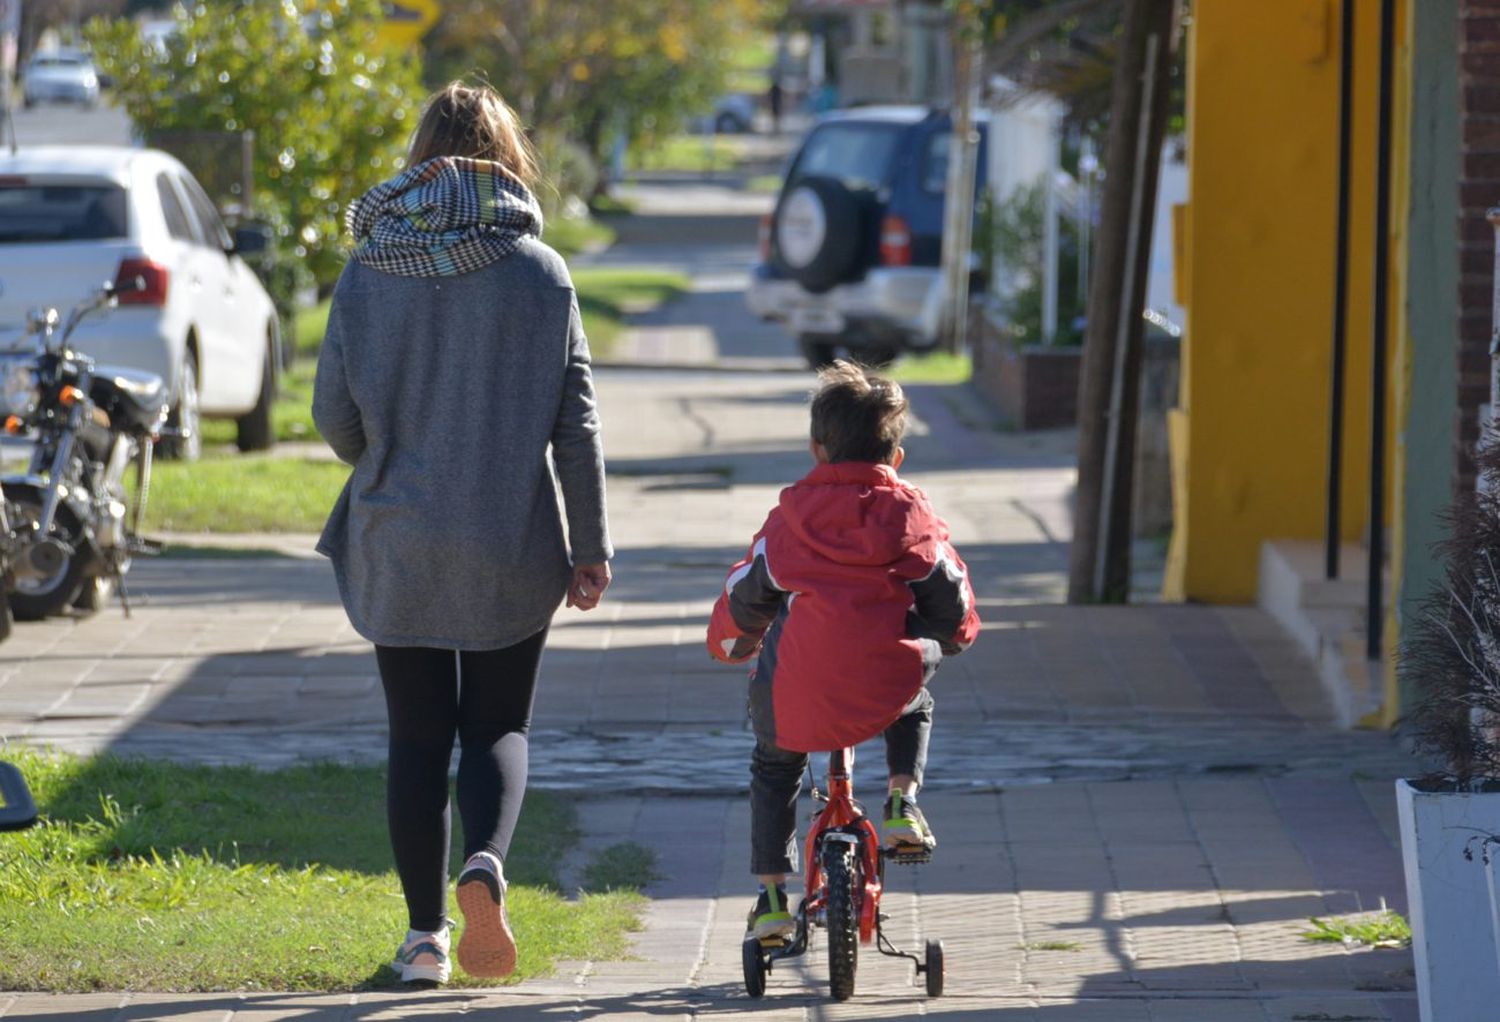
point(72, 527)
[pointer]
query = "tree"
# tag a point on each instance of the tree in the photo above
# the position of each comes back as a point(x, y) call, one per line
point(587, 71)
point(1108, 394)
point(331, 107)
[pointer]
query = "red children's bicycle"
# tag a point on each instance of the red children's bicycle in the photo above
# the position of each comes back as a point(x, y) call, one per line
point(845, 868)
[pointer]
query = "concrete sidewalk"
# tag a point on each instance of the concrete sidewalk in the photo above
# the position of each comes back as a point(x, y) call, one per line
point(1138, 808)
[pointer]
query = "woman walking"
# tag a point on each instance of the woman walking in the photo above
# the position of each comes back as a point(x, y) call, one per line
point(455, 378)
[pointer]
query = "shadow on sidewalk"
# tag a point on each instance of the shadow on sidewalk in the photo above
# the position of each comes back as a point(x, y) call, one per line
point(1190, 987)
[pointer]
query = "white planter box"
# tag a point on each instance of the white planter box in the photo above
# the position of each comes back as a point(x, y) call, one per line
point(1452, 914)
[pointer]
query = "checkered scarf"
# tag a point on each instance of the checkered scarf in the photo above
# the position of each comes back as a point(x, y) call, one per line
point(441, 218)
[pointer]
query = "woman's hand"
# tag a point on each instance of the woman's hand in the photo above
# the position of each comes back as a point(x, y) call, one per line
point(589, 583)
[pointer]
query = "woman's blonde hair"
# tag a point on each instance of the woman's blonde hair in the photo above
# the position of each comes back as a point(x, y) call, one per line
point(473, 121)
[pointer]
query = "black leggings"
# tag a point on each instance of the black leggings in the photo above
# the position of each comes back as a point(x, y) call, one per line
point(490, 713)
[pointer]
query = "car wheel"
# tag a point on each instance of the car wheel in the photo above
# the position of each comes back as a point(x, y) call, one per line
point(818, 351)
point(185, 417)
point(255, 431)
point(728, 124)
point(818, 232)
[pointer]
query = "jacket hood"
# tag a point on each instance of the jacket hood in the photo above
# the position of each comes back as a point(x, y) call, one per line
point(855, 513)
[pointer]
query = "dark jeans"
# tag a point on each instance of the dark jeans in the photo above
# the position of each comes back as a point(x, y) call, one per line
point(776, 782)
point(484, 700)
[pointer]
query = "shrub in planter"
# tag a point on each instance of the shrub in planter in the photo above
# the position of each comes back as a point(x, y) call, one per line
point(1452, 656)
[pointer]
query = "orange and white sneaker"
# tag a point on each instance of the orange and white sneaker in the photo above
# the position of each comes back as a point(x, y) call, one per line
point(487, 948)
point(423, 957)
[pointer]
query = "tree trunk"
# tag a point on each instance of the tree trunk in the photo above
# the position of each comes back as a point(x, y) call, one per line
point(1109, 387)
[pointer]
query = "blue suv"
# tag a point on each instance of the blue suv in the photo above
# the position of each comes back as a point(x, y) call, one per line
point(850, 256)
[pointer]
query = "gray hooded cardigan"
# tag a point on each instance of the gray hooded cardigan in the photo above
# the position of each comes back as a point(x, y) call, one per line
point(447, 395)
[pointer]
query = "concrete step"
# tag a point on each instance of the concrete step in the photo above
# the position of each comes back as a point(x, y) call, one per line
point(1326, 618)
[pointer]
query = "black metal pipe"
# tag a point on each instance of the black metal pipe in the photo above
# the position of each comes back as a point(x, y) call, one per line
point(1376, 580)
point(1332, 527)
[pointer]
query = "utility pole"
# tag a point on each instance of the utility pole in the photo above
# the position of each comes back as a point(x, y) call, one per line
point(1109, 388)
point(963, 158)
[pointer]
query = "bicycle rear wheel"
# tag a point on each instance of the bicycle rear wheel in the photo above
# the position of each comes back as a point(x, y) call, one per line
point(842, 879)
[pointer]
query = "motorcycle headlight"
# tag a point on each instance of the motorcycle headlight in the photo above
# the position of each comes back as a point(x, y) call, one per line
point(21, 393)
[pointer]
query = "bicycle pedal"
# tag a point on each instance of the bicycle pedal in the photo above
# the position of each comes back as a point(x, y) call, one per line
point(909, 855)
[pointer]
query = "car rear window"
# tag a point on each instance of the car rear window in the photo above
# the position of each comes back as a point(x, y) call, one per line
point(935, 161)
point(859, 155)
point(43, 212)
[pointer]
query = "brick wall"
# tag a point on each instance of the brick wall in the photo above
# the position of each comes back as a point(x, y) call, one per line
point(1479, 189)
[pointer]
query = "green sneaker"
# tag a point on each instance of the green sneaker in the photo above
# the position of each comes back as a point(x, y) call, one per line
point(905, 827)
point(769, 919)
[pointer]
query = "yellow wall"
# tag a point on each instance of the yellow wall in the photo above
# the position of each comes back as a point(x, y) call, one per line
point(1257, 275)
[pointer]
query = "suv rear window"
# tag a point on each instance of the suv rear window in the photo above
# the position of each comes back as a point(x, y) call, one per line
point(859, 155)
point(42, 212)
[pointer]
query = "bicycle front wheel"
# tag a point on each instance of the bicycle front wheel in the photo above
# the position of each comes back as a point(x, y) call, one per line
point(842, 879)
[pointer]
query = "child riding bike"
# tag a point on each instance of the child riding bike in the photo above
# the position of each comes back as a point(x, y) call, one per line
point(849, 597)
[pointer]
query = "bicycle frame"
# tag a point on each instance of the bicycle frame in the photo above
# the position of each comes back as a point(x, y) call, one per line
point(843, 819)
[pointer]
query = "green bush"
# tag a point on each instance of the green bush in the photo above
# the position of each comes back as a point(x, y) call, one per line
point(1011, 233)
point(331, 106)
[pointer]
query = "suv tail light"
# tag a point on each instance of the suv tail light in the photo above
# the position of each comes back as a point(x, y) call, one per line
point(763, 238)
point(895, 241)
point(154, 274)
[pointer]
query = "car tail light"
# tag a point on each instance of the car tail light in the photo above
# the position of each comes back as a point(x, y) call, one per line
point(763, 238)
point(155, 276)
point(895, 241)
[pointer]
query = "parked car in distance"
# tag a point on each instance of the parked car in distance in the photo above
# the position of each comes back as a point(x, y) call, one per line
point(733, 114)
point(73, 218)
point(850, 258)
point(60, 76)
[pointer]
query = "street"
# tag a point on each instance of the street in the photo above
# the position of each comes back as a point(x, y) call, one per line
point(1138, 808)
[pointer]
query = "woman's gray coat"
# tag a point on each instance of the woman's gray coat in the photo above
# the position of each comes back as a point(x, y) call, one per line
point(447, 394)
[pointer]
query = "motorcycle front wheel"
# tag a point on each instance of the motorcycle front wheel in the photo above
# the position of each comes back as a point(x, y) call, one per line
point(36, 598)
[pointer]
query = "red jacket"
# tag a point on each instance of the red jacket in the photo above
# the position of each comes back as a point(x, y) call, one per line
point(851, 594)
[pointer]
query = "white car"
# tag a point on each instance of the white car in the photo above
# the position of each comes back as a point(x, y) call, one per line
point(73, 218)
point(60, 76)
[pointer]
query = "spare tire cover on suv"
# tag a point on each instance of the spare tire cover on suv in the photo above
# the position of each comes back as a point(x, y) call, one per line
point(818, 232)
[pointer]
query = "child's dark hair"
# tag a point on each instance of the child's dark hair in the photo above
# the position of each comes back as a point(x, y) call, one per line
point(858, 417)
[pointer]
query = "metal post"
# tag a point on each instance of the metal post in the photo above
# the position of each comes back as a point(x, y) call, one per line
point(1050, 245)
point(1376, 580)
point(1332, 528)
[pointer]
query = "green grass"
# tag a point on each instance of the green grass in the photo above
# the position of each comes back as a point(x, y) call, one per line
point(154, 876)
point(570, 235)
point(1382, 929)
point(606, 295)
point(934, 367)
point(612, 205)
point(1050, 945)
point(243, 493)
point(688, 154)
point(768, 184)
point(626, 866)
